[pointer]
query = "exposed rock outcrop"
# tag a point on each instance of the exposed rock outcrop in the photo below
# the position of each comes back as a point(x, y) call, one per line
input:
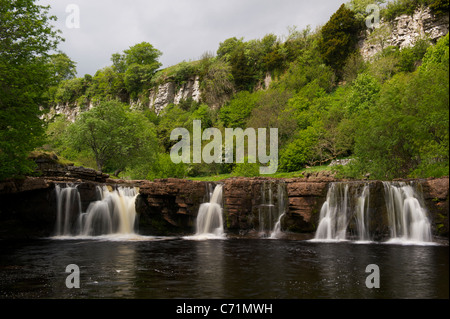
point(436, 197)
point(70, 111)
point(305, 201)
point(404, 32)
point(170, 206)
point(48, 166)
point(169, 92)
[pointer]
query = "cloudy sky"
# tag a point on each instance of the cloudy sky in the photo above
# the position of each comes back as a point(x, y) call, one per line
point(180, 29)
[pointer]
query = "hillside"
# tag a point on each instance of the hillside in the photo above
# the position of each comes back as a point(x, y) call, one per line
point(376, 96)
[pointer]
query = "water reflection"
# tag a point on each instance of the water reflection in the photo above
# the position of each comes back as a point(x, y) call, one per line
point(419, 273)
point(210, 266)
point(232, 268)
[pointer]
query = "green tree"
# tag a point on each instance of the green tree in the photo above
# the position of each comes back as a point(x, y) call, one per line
point(138, 64)
point(364, 93)
point(62, 67)
point(360, 6)
point(26, 39)
point(244, 74)
point(229, 47)
point(108, 85)
point(117, 137)
point(406, 132)
point(339, 38)
point(299, 152)
point(217, 83)
point(237, 112)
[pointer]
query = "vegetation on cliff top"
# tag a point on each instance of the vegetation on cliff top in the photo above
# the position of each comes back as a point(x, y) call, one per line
point(389, 114)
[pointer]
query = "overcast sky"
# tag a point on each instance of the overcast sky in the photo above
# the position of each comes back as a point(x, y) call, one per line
point(181, 29)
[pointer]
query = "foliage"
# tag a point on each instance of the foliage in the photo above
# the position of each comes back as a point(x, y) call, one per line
point(246, 169)
point(217, 83)
point(399, 7)
point(298, 153)
point(364, 93)
point(339, 38)
point(389, 114)
point(406, 132)
point(116, 137)
point(26, 38)
point(360, 6)
point(62, 67)
point(237, 112)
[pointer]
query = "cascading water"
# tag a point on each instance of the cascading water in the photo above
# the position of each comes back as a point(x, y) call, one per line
point(68, 209)
point(345, 214)
point(210, 217)
point(333, 215)
point(408, 219)
point(362, 214)
point(112, 214)
point(282, 207)
point(272, 208)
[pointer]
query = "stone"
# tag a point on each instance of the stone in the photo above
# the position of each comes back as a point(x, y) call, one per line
point(405, 30)
point(162, 96)
point(306, 189)
point(436, 189)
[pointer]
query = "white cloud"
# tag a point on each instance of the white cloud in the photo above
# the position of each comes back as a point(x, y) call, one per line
point(181, 29)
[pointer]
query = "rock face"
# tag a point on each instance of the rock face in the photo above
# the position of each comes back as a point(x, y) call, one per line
point(435, 193)
point(305, 201)
point(170, 206)
point(168, 93)
point(404, 32)
point(48, 166)
point(28, 208)
point(70, 111)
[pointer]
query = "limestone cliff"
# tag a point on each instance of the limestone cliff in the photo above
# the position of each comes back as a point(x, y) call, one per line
point(170, 92)
point(404, 31)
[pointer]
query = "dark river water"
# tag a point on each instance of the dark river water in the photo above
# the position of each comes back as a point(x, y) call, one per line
point(167, 268)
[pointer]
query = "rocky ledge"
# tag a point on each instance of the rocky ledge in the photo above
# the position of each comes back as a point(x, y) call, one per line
point(170, 206)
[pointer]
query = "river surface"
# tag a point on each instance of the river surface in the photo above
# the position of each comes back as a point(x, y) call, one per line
point(167, 268)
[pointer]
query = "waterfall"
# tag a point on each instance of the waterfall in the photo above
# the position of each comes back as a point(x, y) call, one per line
point(272, 208)
point(282, 208)
point(408, 219)
point(68, 205)
point(362, 214)
point(112, 214)
point(345, 214)
point(333, 215)
point(210, 217)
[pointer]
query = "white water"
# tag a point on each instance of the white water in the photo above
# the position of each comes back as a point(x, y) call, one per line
point(113, 214)
point(333, 215)
point(210, 217)
point(282, 207)
point(407, 216)
point(272, 209)
point(68, 208)
point(362, 215)
point(408, 219)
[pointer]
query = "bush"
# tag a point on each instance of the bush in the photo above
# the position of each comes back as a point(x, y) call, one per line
point(246, 169)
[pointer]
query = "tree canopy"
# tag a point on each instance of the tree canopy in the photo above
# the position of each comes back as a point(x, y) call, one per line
point(26, 40)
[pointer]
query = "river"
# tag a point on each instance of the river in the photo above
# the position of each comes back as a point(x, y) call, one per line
point(137, 267)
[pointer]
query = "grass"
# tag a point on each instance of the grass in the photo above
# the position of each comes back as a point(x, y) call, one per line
point(298, 174)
